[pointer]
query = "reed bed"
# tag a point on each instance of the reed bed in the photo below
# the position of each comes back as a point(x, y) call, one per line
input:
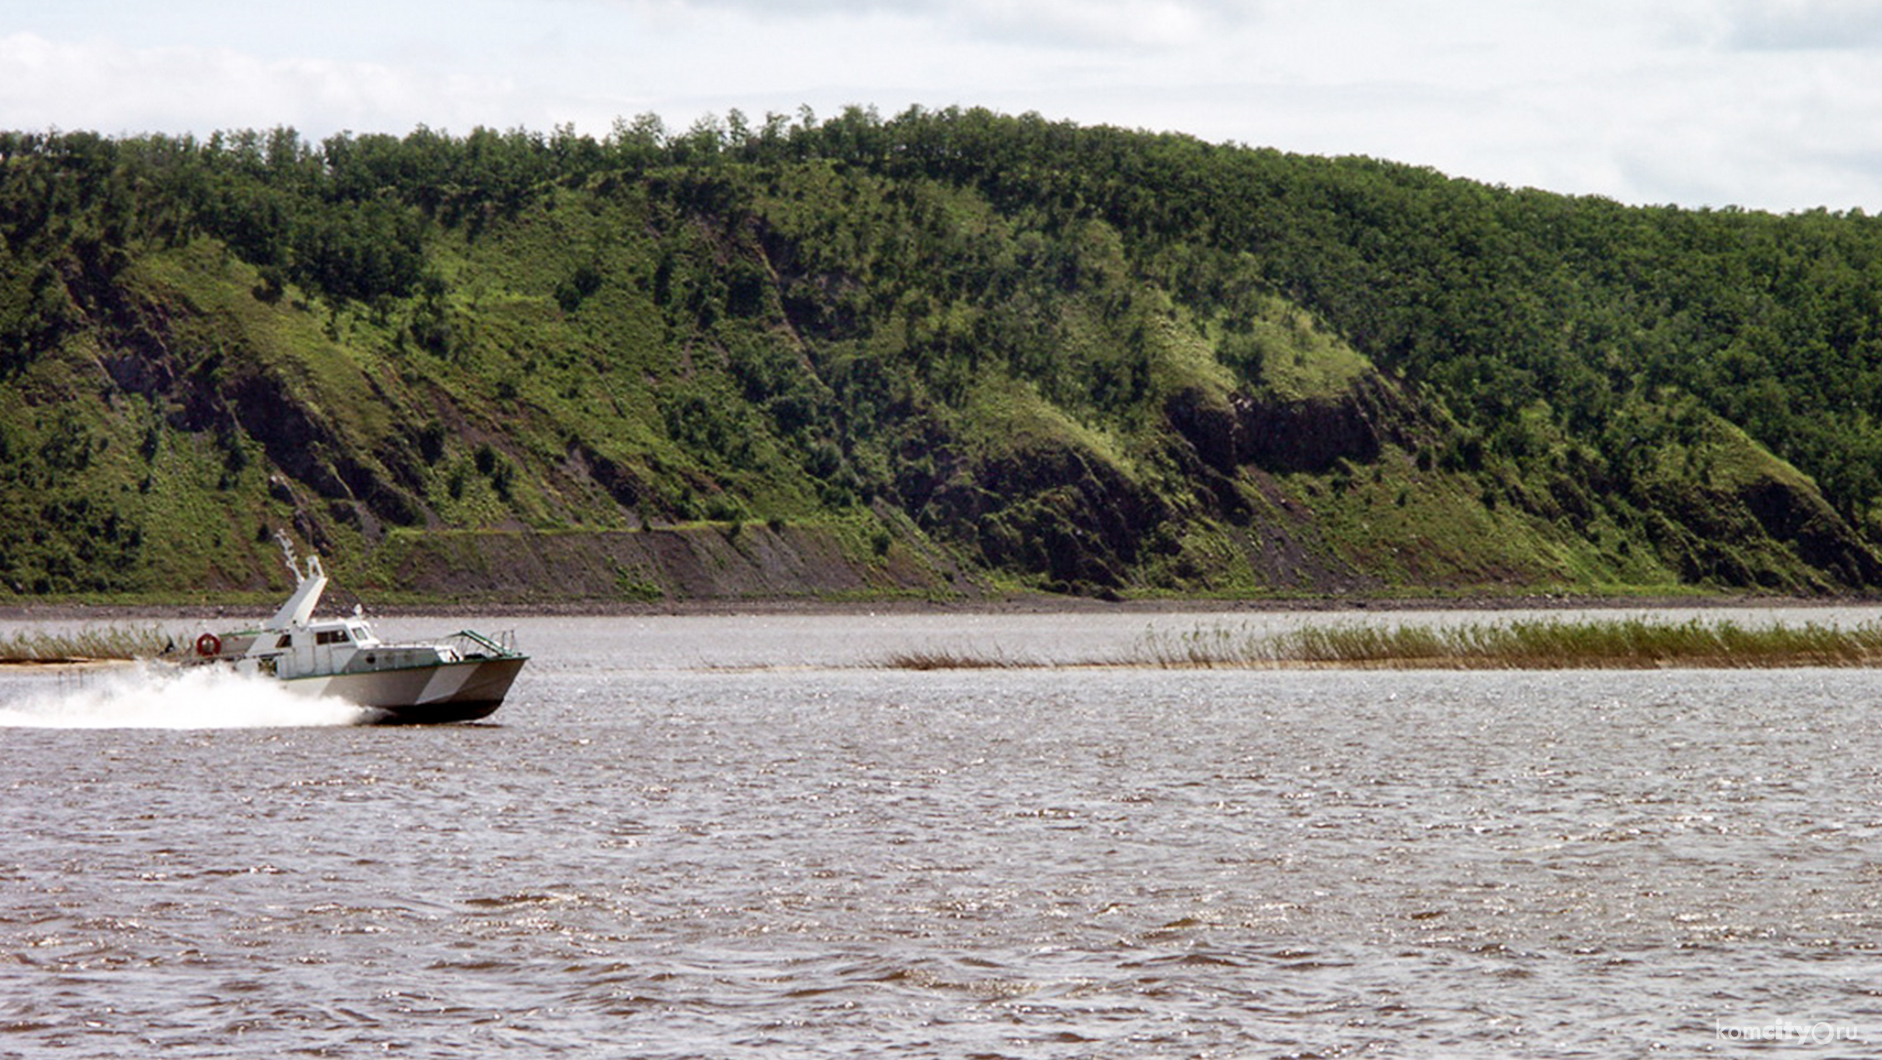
point(953, 659)
point(102, 643)
point(1531, 644)
point(1518, 644)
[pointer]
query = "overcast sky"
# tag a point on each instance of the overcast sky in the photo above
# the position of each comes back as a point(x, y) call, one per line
point(1768, 104)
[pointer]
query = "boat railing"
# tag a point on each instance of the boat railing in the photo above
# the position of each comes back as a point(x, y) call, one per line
point(471, 644)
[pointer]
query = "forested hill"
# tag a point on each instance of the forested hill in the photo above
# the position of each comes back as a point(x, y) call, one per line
point(947, 353)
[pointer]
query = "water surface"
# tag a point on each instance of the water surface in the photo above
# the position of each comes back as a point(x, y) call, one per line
point(713, 836)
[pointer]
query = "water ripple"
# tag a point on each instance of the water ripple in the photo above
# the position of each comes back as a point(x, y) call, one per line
point(673, 863)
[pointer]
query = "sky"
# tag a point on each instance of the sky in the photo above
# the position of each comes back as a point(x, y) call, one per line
point(1764, 104)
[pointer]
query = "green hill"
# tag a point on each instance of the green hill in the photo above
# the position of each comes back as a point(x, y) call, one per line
point(946, 354)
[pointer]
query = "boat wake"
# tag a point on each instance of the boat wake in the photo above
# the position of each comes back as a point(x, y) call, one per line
point(156, 697)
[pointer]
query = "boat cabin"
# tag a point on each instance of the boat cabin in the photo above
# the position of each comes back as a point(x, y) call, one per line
point(338, 647)
point(326, 634)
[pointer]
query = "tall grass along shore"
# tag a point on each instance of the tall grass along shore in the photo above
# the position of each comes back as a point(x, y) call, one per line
point(106, 643)
point(1522, 644)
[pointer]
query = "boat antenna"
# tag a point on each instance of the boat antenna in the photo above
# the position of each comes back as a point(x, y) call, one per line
point(307, 589)
point(287, 553)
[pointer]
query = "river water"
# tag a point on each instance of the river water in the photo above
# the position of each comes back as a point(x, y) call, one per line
point(707, 837)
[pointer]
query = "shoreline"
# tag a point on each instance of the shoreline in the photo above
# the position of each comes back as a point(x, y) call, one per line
point(64, 611)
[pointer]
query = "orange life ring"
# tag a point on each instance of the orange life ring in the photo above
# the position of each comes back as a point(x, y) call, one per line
point(208, 644)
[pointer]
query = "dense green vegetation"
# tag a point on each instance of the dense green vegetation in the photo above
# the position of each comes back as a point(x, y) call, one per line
point(977, 350)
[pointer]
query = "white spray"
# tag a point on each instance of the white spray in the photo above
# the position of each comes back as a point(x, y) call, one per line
point(161, 697)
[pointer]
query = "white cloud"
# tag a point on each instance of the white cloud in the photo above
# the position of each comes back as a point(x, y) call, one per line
point(106, 86)
point(1804, 25)
point(1108, 24)
point(1767, 103)
point(1042, 23)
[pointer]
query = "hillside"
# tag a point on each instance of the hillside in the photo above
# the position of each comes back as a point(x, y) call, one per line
point(946, 354)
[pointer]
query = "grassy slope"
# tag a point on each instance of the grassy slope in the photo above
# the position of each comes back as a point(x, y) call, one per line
point(902, 369)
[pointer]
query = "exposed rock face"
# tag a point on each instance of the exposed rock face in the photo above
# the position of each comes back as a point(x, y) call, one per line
point(1820, 537)
point(1750, 535)
point(1310, 435)
point(1053, 508)
point(306, 448)
point(1774, 532)
point(619, 482)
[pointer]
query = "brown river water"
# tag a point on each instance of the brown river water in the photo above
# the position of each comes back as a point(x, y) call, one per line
point(722, 836)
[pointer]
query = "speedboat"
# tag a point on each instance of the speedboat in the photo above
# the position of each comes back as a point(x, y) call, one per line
point(462, 677)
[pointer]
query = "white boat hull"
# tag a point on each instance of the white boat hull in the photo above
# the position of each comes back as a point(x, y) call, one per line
point(420, 695)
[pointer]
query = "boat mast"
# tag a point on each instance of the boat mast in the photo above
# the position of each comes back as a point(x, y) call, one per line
point(299, 607)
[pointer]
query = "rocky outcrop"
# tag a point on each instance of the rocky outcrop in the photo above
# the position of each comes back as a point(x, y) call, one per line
point(1771, 532)
point(1279, 435)
point(1052, 508)
point(303, 446)
point(1818, 535)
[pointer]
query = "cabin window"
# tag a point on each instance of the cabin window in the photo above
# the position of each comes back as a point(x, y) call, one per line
point(286, 641)
point(331, 636)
